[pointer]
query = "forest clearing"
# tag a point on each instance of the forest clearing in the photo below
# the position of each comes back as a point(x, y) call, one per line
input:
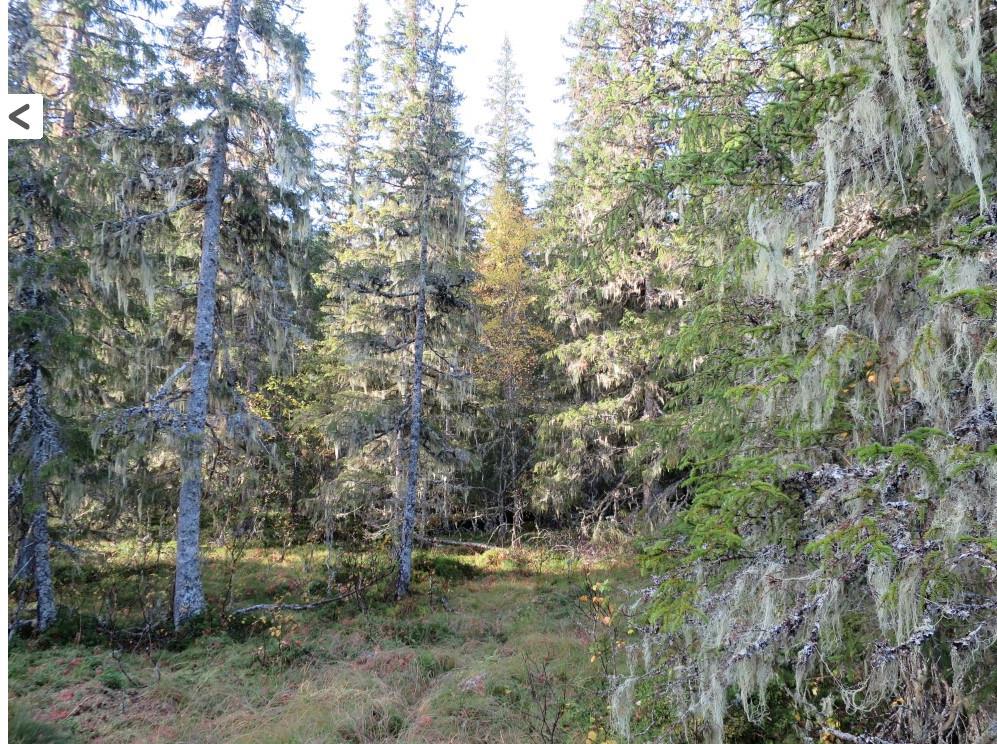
point(490, 644)
point(361, 393)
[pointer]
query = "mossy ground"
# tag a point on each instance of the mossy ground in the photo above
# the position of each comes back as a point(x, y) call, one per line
point(450, 664)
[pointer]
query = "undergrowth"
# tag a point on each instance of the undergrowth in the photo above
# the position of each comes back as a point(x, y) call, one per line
point(492, 647)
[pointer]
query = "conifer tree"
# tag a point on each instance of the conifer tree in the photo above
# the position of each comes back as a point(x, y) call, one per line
point(353, 118)
point(607, 265)
point(329, 411)
point(505, 289)
point(403, 272)
point(507, 134)
point(188, 590)
point(62, 199)
point(256, 153)
point(816, 382)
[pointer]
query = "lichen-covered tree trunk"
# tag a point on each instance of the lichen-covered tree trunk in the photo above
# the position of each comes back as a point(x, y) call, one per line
point(188, 598)
point(407, 530)
point(34, 425)
point(650, 487)
point(44, 590)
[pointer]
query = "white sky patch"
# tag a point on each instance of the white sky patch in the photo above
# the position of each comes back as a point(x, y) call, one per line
point(536, 29)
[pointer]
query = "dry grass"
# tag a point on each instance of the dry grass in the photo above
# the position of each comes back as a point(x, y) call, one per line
point(447, 665)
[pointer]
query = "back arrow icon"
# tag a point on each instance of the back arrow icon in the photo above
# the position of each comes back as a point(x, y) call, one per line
point(16, 113)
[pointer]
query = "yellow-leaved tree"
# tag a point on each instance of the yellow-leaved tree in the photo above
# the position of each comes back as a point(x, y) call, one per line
point(512, 339)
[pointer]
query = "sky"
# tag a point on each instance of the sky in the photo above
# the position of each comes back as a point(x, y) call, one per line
point(536, 30)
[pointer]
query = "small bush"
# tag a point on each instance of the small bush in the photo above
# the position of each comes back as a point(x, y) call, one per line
point(445, 567)
point(71, 626)
point(22, 729)
point(113, 680)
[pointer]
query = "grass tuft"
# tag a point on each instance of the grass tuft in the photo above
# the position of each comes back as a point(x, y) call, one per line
point(451, 663)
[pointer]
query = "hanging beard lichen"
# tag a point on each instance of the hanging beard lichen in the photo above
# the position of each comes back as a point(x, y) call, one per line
point(830, 538)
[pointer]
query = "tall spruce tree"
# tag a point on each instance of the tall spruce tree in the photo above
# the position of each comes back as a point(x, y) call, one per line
point(252, 245)
point(64, 197)
point(403, 270)
point(344, 498)
point(509, 152)
point(825, 383)
point(436, 191)
point(608, 266)
point(354, 118)
point(188, 598)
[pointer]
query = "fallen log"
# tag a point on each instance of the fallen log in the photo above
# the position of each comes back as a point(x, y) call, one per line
point(456, 543)
point(289, 606)
point(302, 606)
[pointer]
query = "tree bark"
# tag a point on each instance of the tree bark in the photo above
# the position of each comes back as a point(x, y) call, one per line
point(37, 425)
point(44, 591)
point(650, 487)
point(35, 422)
point(188, 597)
point(407, 529)
point(518, 506)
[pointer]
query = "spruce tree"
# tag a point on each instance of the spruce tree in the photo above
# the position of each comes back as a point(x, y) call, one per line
point(353, 118)
point(821, 375)
point(509, 152)
point(64, 200)
point(606, 248)
point(257, 240)
point(403, 271)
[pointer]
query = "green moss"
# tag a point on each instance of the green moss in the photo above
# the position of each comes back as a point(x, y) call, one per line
point(450, 567)
point(979, 300)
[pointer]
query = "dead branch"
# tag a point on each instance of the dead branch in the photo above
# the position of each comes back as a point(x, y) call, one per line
point(455, 543)
point(302, 606)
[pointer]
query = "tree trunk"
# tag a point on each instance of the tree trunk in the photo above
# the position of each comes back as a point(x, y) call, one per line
point(74, 35)
point(44, 590)
point(35, 423)
point(407, 529)
point(651, 489)
point(188, 597)
point(517, 493)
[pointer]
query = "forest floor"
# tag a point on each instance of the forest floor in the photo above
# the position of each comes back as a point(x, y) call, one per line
point(501, 646)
